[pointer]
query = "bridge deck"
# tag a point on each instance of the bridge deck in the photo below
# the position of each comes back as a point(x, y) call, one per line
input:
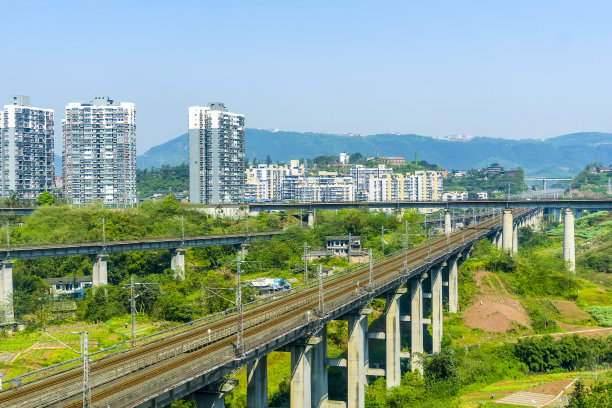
point(93, 248)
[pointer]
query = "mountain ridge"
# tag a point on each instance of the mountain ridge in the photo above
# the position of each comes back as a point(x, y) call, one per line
point(558, 156)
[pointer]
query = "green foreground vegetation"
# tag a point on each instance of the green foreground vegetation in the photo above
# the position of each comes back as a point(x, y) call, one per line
point(537, 277)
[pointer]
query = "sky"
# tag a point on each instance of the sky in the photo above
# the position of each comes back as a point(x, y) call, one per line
point(513, 69)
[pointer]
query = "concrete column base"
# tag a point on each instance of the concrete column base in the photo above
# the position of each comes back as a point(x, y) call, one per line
point(99, 273)
point(453, 285)
point(507, 230)
point(416, 324)
point(436, 308)
point(300, 377)
point(392, 339)
point(6, 292)
point(357, 332)
point(569, 246)
point(177, 262)
point(257, 383)
point(320, 391)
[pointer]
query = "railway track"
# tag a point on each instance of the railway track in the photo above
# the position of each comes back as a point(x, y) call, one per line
point(195, 343)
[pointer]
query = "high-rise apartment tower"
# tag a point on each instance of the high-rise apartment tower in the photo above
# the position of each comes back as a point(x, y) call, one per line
point(216, 155)
point(26, 149)
point(99, 157)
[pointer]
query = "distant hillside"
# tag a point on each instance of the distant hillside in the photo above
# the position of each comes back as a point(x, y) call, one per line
point(171, 153)
point(560, 156)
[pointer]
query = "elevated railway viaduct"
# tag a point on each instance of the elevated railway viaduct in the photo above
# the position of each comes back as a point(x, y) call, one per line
point(193, 362)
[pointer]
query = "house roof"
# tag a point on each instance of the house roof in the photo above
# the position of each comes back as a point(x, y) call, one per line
point(345, 237)
point(68, 279)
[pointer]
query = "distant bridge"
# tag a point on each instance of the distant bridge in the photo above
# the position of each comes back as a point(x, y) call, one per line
point(545, 180)
point(549, 204)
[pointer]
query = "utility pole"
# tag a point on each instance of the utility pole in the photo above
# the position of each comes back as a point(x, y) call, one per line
point(239, 335)
point(321, 299)
point(305, 264)
point(133, 310)
point(84, 351)
point(103, 231)
point(301, 220)
point(8, 235)
point(86, 385)
point(382, 240)
point(348, 253)
point(182, 229)
point(371, 280)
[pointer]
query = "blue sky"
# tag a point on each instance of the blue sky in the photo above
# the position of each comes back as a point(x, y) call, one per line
point(514, 69)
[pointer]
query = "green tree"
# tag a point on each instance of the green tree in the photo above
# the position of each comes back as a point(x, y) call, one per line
point(578, 397)
point(45, 198)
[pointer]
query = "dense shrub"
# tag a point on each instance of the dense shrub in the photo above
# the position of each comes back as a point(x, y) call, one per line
point(568, 353)
point(603, 315)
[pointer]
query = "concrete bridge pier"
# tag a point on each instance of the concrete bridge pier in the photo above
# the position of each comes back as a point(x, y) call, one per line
point(319, 378)
point(392, 338)
point(453, 285)
point(6, 290)
point(311, 218)
point(257, 383)
point(177, 262)
point(357, 336)
point(300, 376)
point(416, 324)
point(436, 307)
point(507, 230)
point(515, 238)
point(448, 226)
point(569, 248)
point(99, 274)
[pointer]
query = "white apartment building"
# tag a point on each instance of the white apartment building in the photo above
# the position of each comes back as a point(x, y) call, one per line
point(272, 182)
point(26, 149)
point(325, 189)
point(417, 186)
point(454, 195)
point(343, 158)
point(361, 176)
point(216, 155)
point(99, 157)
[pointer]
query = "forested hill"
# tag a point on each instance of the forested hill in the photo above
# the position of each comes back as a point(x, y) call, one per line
point(560, 156)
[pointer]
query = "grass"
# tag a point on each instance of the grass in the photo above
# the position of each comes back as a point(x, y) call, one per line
point(511, 385)
point(49, 352)
point(591, 294)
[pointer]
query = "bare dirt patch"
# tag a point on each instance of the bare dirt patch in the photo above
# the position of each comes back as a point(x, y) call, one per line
point(570, 312)
point(552, 388)
point(494, 309)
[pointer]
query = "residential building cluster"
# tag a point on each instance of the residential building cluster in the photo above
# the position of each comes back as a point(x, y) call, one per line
point(98, 157)
point(99, 161)
point(271, 182)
